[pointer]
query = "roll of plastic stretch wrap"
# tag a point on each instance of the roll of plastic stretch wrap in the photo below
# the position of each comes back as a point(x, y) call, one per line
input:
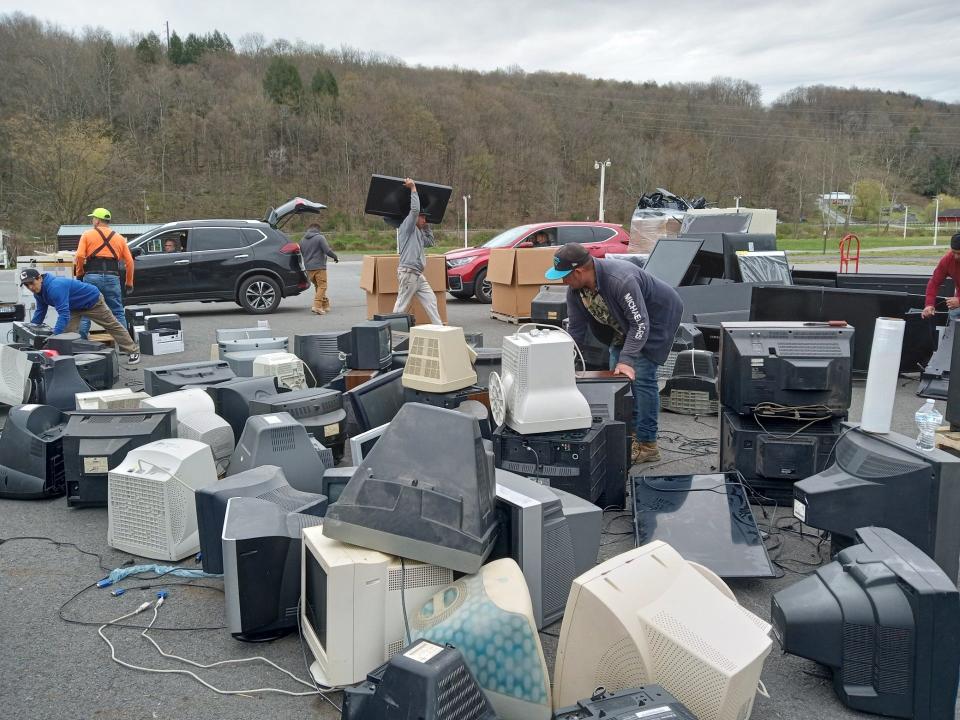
point(882, 373)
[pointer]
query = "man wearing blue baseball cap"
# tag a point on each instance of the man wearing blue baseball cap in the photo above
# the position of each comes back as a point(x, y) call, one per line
point(636, 313)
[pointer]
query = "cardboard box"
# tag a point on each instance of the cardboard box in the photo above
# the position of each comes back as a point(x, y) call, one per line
point(378, 276)
point(516, 275)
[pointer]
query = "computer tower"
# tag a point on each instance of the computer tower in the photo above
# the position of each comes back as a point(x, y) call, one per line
point(95, 441)
point(575, 461)
point(772, 457)
point(170, 378)
point(786, 363)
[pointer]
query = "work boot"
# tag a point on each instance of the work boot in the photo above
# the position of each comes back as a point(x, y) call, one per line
point(645, 452)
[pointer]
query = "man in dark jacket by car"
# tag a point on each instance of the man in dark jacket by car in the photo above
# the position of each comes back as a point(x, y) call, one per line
point(633, 311)
point(315, 250)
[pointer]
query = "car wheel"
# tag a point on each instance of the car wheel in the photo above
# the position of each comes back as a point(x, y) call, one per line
point(460, 295)
point(484, 289)
point(259, 295)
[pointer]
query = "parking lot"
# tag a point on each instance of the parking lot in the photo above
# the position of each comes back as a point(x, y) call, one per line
point(56, 669)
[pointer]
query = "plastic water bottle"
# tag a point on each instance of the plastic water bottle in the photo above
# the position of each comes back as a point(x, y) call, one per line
point(928, 422)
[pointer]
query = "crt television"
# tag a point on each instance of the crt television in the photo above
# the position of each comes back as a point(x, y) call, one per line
point(31, 453)
point(352, 609)
point(885, 480)
point(885, 619)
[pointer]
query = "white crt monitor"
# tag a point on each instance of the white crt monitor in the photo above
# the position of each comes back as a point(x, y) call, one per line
point(351, 611)
point(648, 616)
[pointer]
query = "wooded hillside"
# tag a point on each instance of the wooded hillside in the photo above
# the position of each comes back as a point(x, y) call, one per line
point(216, 127)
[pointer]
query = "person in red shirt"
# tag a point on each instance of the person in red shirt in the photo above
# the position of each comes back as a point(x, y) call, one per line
point(949, 266)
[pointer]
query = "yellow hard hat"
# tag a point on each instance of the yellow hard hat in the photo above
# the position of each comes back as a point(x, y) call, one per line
point(100, 214)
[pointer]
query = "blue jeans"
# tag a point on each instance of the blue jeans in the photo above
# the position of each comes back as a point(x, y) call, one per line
point(646, 396)
point(109, 286)
point(953, 314)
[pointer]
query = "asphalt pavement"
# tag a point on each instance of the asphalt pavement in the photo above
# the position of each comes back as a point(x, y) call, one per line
point(51, 668)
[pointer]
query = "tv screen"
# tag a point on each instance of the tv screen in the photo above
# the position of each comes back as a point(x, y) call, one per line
point(671, 259)
point(736, 241)
point(378, 400)
point(315, 597)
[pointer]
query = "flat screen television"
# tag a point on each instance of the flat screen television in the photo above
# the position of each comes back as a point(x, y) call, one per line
point(671, 260)
point(376, 401)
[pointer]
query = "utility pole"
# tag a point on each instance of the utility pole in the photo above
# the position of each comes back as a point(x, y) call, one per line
point(736, 199)
point(936, 220)
point(145, 208)
point(168, 36)
point(905, 209)
point(465, 199)
point(602, 167)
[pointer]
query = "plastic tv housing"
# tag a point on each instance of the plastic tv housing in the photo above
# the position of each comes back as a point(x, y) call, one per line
point(552, 535)
point(321, 353)
point(649, 616)
point(319, 410)
point(169, 378)
point(278, 439)
point(286, 367)
point(351, 613)
point(261, 546)
point(266, 483)
point(426, 491)
point(537, 392)
point(376, 401)
point(886, 481)
point(885, 619)
point(439, 360)
point(489, 616)
point(368, 345)
point(232, 398)
point(39, 472)
point(95, 441)
point(151, 510)
point(787, 363)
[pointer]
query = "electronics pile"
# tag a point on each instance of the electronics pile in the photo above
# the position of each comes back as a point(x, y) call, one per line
point(468, 519)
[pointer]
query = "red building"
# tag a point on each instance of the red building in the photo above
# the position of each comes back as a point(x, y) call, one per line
point(949, 216)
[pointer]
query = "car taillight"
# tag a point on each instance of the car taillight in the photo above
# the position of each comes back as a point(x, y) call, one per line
point(290, 249)
point(303, 285)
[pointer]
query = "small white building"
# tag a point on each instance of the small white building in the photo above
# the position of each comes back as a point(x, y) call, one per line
point(837, 198)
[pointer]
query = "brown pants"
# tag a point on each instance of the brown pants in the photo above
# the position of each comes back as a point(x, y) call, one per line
point(102, 315)
point(319, 280)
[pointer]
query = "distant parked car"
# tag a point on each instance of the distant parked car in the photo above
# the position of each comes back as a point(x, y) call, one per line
point(249, 262)
point(467, 268)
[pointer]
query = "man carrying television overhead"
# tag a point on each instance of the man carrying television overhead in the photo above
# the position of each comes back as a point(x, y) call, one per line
point(949, 266)
point(75, 300)
point(636, 313)
point(414, 235)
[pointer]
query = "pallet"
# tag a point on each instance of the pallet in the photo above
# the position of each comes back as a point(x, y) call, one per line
point(509, 318)
point(947, 440)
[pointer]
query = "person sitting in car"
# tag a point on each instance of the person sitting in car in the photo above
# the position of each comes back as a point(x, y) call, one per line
point(170, 245)
point(540, 239)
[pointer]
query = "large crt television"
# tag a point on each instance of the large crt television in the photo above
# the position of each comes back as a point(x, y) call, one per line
point(885, 619)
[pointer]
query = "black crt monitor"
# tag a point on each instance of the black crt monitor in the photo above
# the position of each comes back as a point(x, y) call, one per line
point(232, 399)
point(734, 242)
point(319, 410)
point(267, 483)
point(321, 353)
point(376, 401)
point(671, 260)
point(399, 322)
point(705, 518)
point(370, 345)
point(388, 198)
point(885, 480)
point(795, 364)
point(885, 619)
point(31, 453)
point(261, 547)
point(170, 378)
point(94, 441)
point(95, 370)
point(71, 344)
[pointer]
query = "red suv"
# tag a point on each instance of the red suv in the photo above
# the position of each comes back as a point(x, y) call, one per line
point(467, 268)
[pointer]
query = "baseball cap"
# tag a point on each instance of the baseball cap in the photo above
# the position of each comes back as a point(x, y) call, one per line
point(567, 259)
point(100, 214)
point(29, 274)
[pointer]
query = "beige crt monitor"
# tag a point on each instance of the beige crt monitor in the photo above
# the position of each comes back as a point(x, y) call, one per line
point(648, 616)
point(439, 360)
point(351, 610)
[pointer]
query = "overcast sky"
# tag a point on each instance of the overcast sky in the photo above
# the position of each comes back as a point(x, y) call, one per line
point(886, 44)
